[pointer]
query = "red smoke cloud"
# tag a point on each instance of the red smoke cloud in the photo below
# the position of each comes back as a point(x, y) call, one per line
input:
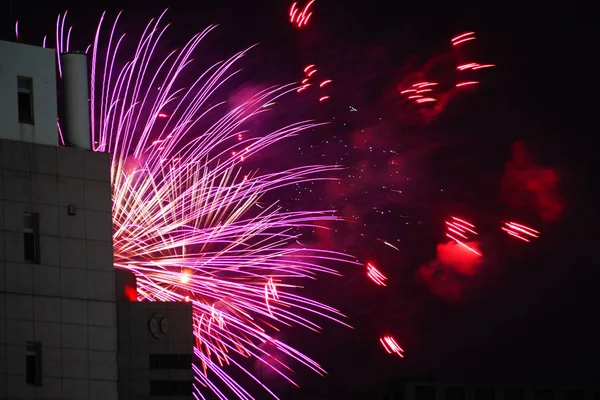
point(526, 184)
point(448, 275)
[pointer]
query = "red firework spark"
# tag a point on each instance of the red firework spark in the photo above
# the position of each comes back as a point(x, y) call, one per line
point(309, 76)
point(520, 231)
point(300, 17)
point(457, 227)
point(391, 346)
point(429, 92)
point(375, 275)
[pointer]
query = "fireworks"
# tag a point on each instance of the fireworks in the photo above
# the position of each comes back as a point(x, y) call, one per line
point(462, 38)
point(432, 93)
point(299, 17)
point(520, 231)
point(375, 275)
point(456, 228)
point(391, 346)
point(309, 75)
point(186, 216)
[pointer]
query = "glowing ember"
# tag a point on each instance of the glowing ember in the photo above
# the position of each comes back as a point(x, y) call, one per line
point(459, 228)
point(519, 231)
point(375, 275)
point(391, 346)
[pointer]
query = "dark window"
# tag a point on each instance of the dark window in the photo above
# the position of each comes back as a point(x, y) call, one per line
point(513, 394)
point(574, 395)
point(33, 359)
point(31, 237)
point(25, 99)
point(170, 388)
point(483, 394)
point(170, 361)
point(455, 393)
point(543, 394)
point(424, 393)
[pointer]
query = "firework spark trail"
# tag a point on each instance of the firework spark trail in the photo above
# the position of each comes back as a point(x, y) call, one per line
point(309, 72)
point(462, 38)
point(391, 346)
point(375, 275)
point(517, 231)
point(183, 208)
point(457, 227)
point(299, 17)
point(429, 94)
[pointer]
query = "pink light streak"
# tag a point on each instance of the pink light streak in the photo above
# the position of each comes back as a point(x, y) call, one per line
point(184, 214)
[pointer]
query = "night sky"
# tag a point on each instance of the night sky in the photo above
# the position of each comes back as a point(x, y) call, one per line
point(529, 313)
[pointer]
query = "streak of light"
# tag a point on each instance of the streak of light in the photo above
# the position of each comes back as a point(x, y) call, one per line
point(517, 231)
point(468, 83)
point(391, 346)
point(375, 275)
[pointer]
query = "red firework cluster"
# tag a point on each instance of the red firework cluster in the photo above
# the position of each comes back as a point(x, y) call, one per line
point(520, 232)
point(300, 17)
point(428, 92)
point(391, 346)
point(459, 228)
point(310, 72)
point(375, 275)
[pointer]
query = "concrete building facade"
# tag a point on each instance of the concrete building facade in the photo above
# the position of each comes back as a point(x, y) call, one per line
point(155, 346)
point(57, 301)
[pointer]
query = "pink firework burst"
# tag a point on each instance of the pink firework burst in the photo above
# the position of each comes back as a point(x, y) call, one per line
point(186, 214)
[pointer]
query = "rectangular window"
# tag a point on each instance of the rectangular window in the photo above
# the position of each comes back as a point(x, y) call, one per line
point(483, 393)
point(33, 368)
point(543, 394)
point(31, 237)
point(170, 388)
point(25, 99)
point(170, 361)
point(513, 394)
point(456, 393)
point(425, 393)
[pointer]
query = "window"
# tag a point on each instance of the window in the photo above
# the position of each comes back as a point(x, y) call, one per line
point(425, 393)
point(170, 388)
point(455, 393)
point(170, 361)
point(543, 394)
point(33, 368)
point(31, 237)
point(483, 393)
point(513, 394)
point(574, 395)
point(25, 99)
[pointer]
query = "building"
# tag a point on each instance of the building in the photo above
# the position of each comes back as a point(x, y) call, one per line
point(58, 295)
point(57, 301)
point(155, 345)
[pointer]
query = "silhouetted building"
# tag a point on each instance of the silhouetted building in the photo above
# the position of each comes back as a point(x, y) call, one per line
point(57, 302)
point(155, 345)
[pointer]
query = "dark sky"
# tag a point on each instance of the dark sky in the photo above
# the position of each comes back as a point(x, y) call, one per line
point(529, 315)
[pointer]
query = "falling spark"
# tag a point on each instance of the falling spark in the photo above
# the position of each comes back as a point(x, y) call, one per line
point(388, 244)
point(300, 18)
point(469, 83)
point(463, 229)
point(465, 37)
point(375, 275)
point(517, 231)
point(391, 346)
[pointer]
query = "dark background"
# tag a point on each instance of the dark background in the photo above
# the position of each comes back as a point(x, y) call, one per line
point(531, 317)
